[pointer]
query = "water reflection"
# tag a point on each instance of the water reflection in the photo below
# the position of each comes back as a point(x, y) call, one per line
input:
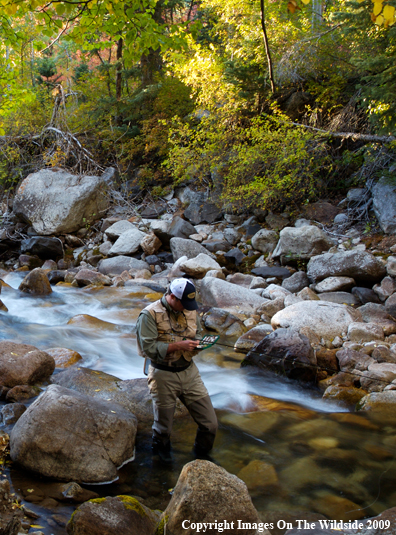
point(294, 451)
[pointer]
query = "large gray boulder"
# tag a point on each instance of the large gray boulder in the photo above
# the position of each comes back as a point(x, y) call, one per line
point(118, 228)
point(285, 351)
point(265, 240)
point(325, 319)
point(360, 265)
point(205, 491)
point(198, 267)
point(118, 264)
point(113, 515)
point(376, 313)
point(128, 243)
point(69, 436)
point(57, 202)
point(223, 294)
point(301, 243)
point(205, 212)
point(384, 204)
point(22, 364)
point(189, 248)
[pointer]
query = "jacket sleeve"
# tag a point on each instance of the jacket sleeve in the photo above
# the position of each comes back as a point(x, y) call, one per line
point(147, 334)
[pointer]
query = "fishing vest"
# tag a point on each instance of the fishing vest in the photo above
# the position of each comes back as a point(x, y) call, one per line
point(170, 330)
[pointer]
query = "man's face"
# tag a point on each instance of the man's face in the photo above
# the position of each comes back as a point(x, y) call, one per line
point(175, 303)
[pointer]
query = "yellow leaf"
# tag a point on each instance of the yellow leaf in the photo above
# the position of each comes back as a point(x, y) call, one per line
point(389, 13)
point(377, 8)
point(97, 390)
point(379, 21)
point(307, 1)
point(113, 412)
point(291, 7)
point(30, 490)
point(36, 526)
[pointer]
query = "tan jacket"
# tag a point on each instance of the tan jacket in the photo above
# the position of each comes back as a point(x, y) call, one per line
point(172, 328)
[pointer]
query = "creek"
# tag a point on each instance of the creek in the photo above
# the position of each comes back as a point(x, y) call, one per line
point(324, 458)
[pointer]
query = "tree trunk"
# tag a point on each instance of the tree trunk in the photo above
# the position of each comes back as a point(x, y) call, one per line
point(267, 50)
point(119, 70)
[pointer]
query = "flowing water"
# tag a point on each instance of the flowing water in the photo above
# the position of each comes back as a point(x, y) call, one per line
point(295, 451)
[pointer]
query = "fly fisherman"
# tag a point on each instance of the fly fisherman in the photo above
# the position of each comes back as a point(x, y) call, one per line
point(166, 332)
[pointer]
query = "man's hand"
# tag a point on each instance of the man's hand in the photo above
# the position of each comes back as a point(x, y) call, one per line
point(184, 345)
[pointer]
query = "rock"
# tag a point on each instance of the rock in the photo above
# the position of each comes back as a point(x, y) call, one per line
point(365, 332)
point(216, 273)
point(347, 395)
point(12, 412)
point(250, 339)
point(216, 245)
point(365, 295)
point(222, 321)
point(335, 284)
point(30, 262)
point(285, 351)
point(180, 228)
point(301, 243)
point(326, 320)
point(63, 427)
point(353, 361)
point(391, 266)
point(22, 364)
point(384, 402)
point(378, 376)
point(128, 243)
point(384, 201)
point(204, 492)
point(206, 212)
point(133, 395)
point(360, 265)
point(340, 219)
point(113, 516)
point(375, 313)
point(189, 248)
point(270, 308)
point(241, 279)
point(42, 247)
point(36, 283)
point(342, 298)
point(56, 202)
point(385, 289)
point(198, 267)
point(114, 231)
point(273, 291)
point(222, 294)
point(150, 244)
point(390, 305)
point(258, 475)
point(154, 210)
point(63, 357)
point(21, 392)
point(86, 276)
point(306, 294)
point(57, 275)
point(278, 272)
point(197, 237)
point(265, 241)
point(323, 212)
point(235, 256)
point(231, 235)
point(276, 222)
point(118, 264)
point(297, 282)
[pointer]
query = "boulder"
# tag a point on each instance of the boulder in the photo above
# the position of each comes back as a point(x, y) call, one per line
point(21, 393)
point(67, 435)
point(205, 492)
point(198, 267)
point(390, 305)
point(64, 357)
point(265, 240)
point(88, 276)
point(365, 295)
point(273, 291)
point(353, 361)
point(391, 266)
point(150, 244)
point(285, 351)
point(301, 243)
point(266, 272)
point(36, 283)
point(378, 376)
point(231, 235)
point(47, 248)
point(342, 298)
point(235, 256)
point(323, 212)
point(384, 202)
point(128, 243)
point(223, 294)
point(118, 264)
point(54, 201)
point(359, 265)
point(385, 289)
point(11, 413)
point(217, 245)
point(133, 394)
point(241, 279)
point(384, 402)
point(180, 228)
point(326, 320)
point(297, 282)
point(376, 313)
point(276, 222)
point(22, 364)
point(250, 339)
point(118, 515)
point(114, 231)
point(154, 210)
point(189, 248)
point(206, 212)
point(223, 322)
point(258, 475)
point(335, 284)
point(365, 332)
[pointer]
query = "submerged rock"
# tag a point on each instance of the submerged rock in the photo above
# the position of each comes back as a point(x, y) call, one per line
point(36, 283)
point(67, 435)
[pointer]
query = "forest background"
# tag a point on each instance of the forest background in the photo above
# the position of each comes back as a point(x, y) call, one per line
point(269, 103)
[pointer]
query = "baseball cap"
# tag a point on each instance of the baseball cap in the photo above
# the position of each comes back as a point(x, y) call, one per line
point(185, 291)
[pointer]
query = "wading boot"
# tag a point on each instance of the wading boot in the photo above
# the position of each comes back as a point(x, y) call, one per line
point(163, 449)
